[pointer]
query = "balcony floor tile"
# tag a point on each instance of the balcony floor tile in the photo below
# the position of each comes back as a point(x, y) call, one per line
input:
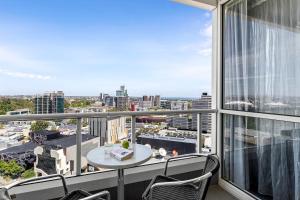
point(216, 192)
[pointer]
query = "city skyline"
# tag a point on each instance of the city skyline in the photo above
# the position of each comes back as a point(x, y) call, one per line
point(91, 47)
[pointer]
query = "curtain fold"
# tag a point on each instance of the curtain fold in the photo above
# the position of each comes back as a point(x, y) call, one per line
point(261, 70)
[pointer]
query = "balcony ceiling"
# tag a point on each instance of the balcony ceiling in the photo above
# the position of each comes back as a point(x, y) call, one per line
point(204, 4)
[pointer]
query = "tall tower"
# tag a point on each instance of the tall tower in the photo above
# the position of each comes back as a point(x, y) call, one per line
point(203, 103)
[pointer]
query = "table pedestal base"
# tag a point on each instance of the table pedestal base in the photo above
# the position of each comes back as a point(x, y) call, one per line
point(120, 184)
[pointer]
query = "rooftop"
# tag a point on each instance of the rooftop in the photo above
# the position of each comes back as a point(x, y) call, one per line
point(62, 142)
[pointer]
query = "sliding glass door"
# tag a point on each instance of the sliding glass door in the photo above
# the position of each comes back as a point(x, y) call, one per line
point(261, 74)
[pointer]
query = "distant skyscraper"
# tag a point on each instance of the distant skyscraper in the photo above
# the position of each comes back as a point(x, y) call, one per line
point(109, 101)
point(104, 97)
point(157, 101)
point(203, 103)
point(121, 92)
point(122, 87)
point(151, 98)
point(121, 103)
point(145, 98)
point(100, 97)
point(49, 102)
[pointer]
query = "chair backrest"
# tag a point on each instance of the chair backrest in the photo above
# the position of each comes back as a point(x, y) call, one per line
point(4, 194)
point(192, 189)
point(5, 191)
point(212, 165)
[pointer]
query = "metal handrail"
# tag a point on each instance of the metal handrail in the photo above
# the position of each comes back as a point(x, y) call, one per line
point(4, 118)
point(133, 115)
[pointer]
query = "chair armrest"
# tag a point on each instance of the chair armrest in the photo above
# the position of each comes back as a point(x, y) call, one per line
point(181, 157)
point(180, 183)
point(100, 194)
point(41, 179)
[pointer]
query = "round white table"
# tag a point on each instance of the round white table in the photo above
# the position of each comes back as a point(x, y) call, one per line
point(97, 157)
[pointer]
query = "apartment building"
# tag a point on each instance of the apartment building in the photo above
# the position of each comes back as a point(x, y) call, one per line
point(203, 103)
point(49, 102)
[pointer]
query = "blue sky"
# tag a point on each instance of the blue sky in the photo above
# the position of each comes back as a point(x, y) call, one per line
point(85, 47)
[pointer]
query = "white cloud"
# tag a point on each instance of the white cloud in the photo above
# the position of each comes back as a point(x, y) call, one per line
point(207, 14)
point(24, 75)
point(207, 31)
point(205, 52)
point(12, 57)
point(193, 72)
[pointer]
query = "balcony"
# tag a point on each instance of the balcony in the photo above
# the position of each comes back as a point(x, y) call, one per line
point(136, 179)
point(256, 120)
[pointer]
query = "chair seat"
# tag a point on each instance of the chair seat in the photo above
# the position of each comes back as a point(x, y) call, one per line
point(78, 194)
point(163, 187)
point(185, 192)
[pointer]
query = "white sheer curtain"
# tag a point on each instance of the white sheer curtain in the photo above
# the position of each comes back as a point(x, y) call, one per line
point(262, 74)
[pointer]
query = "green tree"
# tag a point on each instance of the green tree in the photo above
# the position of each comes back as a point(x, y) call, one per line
point(79, 103)
point(11, 169)
point(67, 104)
point(13, 104)
point(30, 173)
point(2, 166)
point(39, 126)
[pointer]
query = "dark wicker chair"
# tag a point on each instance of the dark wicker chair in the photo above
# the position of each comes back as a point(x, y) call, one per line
point(74, 195)
point(163, 187)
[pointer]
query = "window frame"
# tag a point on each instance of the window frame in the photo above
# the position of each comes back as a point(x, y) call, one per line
point(226, 185)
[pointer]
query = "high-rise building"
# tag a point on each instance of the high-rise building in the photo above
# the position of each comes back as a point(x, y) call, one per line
point(100, 97)
point(49, 102)
point(121, 92)
point(121, 103)
point(203, 103)
point(145, 98)
point(151, 98)
point(104, 97)
point(157, 101)
point(109, 101)
point(109, 130)
point(122, 87)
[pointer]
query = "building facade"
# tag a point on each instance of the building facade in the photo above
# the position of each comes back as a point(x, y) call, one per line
point(19, 112)
point(179, 105)
point(157, 101)
point(180, 122)
point(203, 103)
point(165, 104)
point(109, 130)
point(49, 102)
point(121, 103)
point(122, 92)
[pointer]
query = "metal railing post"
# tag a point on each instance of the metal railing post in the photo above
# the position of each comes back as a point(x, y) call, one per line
point(199, 133)
point(133, 127)
point(78, 147)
